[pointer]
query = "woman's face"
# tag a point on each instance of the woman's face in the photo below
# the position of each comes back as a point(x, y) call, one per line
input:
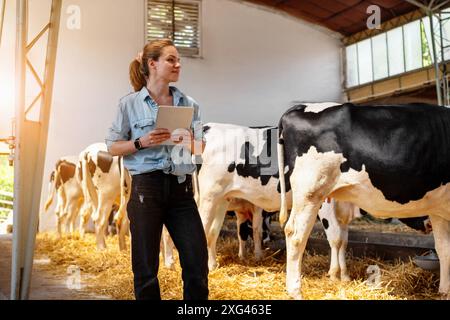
point(168, 65)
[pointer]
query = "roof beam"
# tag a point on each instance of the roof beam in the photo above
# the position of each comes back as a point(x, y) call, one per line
point(428, 7)
point(438, 6)
point(419, 4)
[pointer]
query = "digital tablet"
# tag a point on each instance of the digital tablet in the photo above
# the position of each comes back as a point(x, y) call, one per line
point(173, 118)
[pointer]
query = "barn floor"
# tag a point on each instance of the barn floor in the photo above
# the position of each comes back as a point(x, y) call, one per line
point(45, 285)
point(107, 274)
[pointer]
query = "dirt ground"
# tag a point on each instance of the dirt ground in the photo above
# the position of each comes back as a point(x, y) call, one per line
point(45, 285)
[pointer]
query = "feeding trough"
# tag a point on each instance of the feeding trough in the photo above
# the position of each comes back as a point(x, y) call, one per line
point(429, 262)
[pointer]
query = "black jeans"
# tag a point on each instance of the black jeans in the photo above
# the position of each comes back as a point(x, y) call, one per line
point(156, 199)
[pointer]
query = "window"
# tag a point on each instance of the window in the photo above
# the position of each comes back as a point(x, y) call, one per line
point(352, 65)
point(445, 16)
point(396, 51)
point(396, 58)
point(412, 45)
point(380, 60)
point(428, 38)
point(177, 20)
point(365, 61)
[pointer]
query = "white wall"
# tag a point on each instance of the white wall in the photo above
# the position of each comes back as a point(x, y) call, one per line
point(7, 71)
point(255, 63)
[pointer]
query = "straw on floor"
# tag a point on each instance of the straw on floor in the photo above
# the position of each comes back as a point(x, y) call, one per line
point(109, 273)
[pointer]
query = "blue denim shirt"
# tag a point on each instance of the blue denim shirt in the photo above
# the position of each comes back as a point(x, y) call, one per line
point(136, 117)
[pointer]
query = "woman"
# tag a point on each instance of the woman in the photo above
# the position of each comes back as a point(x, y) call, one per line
point(161, 184)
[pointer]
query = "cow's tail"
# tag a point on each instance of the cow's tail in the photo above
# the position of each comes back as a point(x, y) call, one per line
point(280, 149)
point(51, 190)
point(87, 184)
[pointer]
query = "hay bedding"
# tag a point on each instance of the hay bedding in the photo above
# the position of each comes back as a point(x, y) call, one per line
point(109, 273)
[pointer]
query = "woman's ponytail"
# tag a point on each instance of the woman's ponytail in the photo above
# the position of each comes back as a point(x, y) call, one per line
point(137, 79)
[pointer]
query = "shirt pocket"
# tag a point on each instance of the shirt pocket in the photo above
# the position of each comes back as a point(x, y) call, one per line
point(143, 126)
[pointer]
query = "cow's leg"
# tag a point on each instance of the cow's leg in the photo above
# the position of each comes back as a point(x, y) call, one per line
point(122, 222)
point(297, 230)
point(313, 178)
point(101, 219)
point(240, 219)
point(100, 232)
point(326, 216)
point(334, 270)
point(345, 213)
point(167, 250)
point(337, 236)
point(123, 229)
point(212, 213)
point(59, 211)
point(85, 214)
point(257, 232)
point(342, 251)
point(66, 220)
point(72, 212)
point(441, 231)
point(60, 227)
point(266, 228)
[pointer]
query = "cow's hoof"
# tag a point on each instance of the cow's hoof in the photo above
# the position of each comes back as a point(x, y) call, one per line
point(170, 265)
point(334, 278)
point(334, 275)
point(258, 257)
point(294, 290)
point(212, 266)
point(345, 278)
point(296, 295)
point(444, 296)
point(101, 247)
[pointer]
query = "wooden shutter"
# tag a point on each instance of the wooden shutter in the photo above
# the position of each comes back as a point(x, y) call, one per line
point(176, 20)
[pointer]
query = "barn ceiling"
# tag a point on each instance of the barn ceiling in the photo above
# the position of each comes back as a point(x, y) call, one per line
point(344, 16)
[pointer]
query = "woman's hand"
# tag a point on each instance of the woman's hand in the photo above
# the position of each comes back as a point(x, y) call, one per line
point(183, 137)
point(155, 137)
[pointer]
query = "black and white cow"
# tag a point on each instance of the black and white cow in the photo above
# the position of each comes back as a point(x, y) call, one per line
point(235, 164)
point(391, 161)
point(240, 169)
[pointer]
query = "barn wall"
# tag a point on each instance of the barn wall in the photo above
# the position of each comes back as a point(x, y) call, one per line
point(7, 72)
point(257, 62)
point(254, 64)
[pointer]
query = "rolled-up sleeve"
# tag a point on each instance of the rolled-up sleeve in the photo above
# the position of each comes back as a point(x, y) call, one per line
point(197, 125)
point(120, 129)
